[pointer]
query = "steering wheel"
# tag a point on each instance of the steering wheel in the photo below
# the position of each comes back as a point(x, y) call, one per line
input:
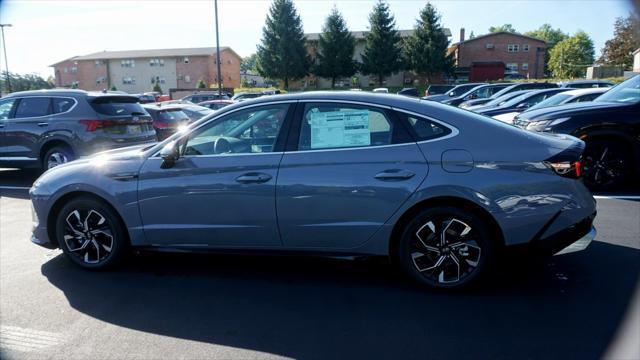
point(221, 146)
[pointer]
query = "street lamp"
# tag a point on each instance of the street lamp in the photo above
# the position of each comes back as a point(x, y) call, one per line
point(6, 64)
point(218, 51)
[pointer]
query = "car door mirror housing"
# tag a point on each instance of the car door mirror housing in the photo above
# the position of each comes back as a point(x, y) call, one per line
point(169, 154)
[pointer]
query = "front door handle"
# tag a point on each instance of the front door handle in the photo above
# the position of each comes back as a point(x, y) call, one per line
point(43, 124)
point(394, 175)
point(253, 178)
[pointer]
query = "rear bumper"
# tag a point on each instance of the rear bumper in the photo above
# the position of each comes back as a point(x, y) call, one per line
point(573, 238)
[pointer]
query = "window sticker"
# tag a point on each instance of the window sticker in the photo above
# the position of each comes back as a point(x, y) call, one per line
point(336, 129)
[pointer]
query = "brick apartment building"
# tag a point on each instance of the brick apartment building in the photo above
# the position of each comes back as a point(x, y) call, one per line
point(137, 71)
point(398, 79)
point(520, 54)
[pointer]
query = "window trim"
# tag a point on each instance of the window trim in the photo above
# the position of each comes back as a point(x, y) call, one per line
point(454, 130)
point(17, 99)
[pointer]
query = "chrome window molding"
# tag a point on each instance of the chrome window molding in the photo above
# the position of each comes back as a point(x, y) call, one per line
point(75, 103)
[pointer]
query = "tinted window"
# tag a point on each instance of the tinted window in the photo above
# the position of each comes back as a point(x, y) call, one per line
point(60, 105)
point(625, 92)
point(425, 129)
point(172, 116)
point(331, 126)
point(584, 98)
point(5, 108)
point(117, 106)
point(32, 107)
point(247, 131)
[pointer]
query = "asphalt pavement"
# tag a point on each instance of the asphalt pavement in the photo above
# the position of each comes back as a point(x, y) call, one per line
point(584, 305)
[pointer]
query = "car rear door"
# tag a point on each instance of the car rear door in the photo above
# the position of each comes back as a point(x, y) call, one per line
point(221, 192)
point(23, 130)
point(351, 166)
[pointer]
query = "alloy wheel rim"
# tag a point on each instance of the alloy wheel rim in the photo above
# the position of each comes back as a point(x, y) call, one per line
point(88, 236)
point(603, 167)
point(445, 251)
point(55, 159)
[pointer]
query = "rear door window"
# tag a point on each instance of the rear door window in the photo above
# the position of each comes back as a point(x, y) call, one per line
point(331, 126)
point(33, 107)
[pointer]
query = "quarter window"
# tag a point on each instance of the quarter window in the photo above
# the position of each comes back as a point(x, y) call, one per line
point(61, 105)
point(247, 131)
point(425, 129)
point(32, 107)
point(331, 126)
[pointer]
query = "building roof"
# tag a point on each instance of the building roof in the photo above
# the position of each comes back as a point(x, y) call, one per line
point(499, 33)
point(637, 51)
point(151, 53)
point(359, 35)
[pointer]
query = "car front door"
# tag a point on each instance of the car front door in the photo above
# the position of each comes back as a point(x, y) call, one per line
point(352, 166)
point(221, 191)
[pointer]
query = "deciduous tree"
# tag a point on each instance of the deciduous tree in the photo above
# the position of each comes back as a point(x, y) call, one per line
point(503, 28)
point(571, 57)
point(626, 39)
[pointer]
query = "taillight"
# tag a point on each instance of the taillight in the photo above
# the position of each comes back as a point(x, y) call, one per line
point(570, 169)
point(162, 125)
point(92, 125)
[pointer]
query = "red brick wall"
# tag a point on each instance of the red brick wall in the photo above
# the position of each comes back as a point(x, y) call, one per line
point(205, 68)
point(230, 68)
point(476, 50)
point(196, 69)
point(86, 74)
point(65, 78)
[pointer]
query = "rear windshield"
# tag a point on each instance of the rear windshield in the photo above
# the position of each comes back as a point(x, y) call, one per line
point(172, 116)
point(117, 106)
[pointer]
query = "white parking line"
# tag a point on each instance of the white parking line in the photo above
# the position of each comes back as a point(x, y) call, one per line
point(618, 197)
point(25, 340)
point(14, 188)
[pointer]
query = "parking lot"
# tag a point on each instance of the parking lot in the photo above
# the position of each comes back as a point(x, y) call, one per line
point(583, 305)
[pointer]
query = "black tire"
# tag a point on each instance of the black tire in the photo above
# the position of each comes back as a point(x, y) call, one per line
point(468, 248)
point(607, 164)
point(100, 244)
point(57, 155)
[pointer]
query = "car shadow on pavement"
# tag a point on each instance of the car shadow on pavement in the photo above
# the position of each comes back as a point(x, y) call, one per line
point(310, 307)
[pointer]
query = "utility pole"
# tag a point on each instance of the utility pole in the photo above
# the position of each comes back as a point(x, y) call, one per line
point(218, 50)
point(6, 63)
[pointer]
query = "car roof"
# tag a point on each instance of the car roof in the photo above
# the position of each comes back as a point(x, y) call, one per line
point(49, 92)
point(218, 101)
point(579, 92)
point(154, 106)
point(585, 81)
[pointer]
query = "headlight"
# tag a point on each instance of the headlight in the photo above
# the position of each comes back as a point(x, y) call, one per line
point(544, 125)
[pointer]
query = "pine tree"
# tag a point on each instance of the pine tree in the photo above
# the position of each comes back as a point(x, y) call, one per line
point(282, 53)
point(382, 53)
point(426, 49)
point(156, 87)
point(201, 84)
point(335, 49)
point(619, 50)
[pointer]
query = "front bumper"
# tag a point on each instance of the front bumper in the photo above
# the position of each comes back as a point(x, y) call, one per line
point(581, 244)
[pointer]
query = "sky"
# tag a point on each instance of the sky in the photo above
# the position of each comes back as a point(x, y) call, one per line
point(47, 31)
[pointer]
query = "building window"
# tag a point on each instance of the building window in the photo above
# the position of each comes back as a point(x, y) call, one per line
point(128, 63)
point(525, 47)
point(66, 70)
point(185, 60)
point(158, 79)
point(156, 62)
point(512, 66)
point(99, 62)
point(513, 48)
point(489, 46)
point(74, 69)
point(187, 78)
point(75, 84)
point(128, 81)
point(100, 80)
point(525, 66)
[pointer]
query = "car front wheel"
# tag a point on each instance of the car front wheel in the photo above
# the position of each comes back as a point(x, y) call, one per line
point(90, 233)
point(57, 155)
point(445, 247)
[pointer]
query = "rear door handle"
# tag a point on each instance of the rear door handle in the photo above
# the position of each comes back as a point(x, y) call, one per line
point(43, 124)
point(253, 178)
point(394, 175)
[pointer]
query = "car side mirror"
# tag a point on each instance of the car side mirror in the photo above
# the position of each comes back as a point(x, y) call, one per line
point(169, 155)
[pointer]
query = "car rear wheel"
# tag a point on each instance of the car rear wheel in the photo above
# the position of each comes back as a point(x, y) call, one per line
point(55, 156)
point(607, 165)
point(445, 247)
point(90, 233)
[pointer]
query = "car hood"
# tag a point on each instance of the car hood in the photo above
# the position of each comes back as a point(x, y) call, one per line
point(566, 110)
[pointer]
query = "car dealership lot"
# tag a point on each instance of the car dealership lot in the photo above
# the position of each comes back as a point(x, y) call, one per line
point(581, 305)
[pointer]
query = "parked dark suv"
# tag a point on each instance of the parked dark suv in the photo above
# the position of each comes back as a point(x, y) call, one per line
point(45, 128)
point(205, 96)
point(508, 89)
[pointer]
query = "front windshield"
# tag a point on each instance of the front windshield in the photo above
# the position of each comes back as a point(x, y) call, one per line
point(626, 92)
point(516, 100)
point(502, 99)
point(552, 101)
